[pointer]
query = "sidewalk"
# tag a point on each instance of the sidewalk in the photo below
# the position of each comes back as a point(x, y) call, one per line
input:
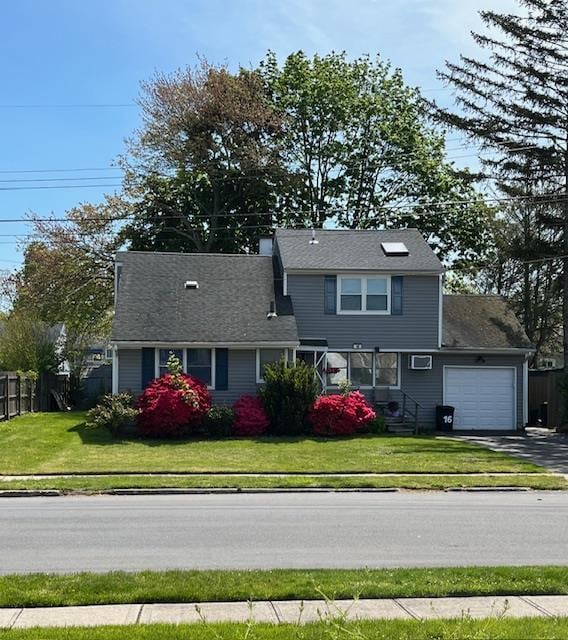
point(290, 611)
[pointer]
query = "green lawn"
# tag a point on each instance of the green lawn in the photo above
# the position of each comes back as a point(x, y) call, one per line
point(466, 629)
point(281, 584)
point(61, 443)
point(94, 484)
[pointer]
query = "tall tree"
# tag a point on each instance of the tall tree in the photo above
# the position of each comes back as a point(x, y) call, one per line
point(68, 273)
point(513, 100)
point(203, 169)
point(363, 153)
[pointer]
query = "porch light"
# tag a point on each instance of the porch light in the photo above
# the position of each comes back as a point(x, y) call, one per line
point(191, 284)
point(313, 239)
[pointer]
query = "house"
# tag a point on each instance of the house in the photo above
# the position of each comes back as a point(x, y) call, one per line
point(360, 305)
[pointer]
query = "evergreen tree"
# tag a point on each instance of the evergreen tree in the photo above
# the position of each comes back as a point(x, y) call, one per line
point(514, 102)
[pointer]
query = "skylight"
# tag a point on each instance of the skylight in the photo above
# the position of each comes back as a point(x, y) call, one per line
point(394, 248)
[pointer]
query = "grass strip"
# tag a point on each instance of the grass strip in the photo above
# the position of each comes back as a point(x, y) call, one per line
point(93, 484)
point(62, 443)
point(464, 629)
point(31, 590)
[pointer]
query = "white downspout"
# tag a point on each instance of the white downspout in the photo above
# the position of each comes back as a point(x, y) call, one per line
point(526, 391)
point(114, 369)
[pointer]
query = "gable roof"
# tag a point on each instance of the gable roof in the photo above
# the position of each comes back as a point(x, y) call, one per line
point(350, 250)
point(230, 305)
point(482, 322)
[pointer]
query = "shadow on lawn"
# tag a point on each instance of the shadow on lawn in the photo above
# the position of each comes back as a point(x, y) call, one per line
point(101, 436)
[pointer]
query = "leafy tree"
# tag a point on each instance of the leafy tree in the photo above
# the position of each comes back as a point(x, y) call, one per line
point(358, 143)
point(513, 103)
point(68, 274)
point(26, 344)
point(203, 169)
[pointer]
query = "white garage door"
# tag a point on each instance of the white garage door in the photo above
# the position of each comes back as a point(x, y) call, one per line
point(484, 398)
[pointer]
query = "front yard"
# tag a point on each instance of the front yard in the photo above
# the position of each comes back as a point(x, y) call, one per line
point(61, 443)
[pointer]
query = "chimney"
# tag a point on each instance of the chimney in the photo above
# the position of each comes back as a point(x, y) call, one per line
point(265, 246)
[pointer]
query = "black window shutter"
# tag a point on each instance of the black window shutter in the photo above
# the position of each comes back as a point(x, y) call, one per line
point(330, 295)
point(221, 369)
point(396, 295)
point(148, 366)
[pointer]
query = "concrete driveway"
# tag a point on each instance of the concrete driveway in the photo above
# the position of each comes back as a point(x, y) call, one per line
point(541, 446)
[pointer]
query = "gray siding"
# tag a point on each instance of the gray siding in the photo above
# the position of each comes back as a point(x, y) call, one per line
point(427, 387)
point(130, 370)
point(242, 374)
point(417, 328)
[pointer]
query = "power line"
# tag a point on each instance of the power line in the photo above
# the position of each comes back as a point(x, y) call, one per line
point(108, 105)
point(10, 171)
point(58, 186)
point(550, 198)
point(66, 179)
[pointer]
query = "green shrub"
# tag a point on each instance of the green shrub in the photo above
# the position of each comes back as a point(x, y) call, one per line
point(377, 425)
point(288, 393)
point(218, 422)
point(116, 413)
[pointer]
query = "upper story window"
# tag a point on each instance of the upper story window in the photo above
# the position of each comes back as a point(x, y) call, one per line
point(369, 294)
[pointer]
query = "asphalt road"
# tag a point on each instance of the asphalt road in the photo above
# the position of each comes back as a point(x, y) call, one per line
point(102, 533)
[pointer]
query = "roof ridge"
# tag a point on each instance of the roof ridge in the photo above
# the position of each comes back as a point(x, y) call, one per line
point(194, 253)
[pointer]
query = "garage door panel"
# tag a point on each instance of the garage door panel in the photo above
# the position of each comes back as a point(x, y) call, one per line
point(484, 398)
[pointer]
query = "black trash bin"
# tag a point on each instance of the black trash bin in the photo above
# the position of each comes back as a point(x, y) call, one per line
point(445, 417)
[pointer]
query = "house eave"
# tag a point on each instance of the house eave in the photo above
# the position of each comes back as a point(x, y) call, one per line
point(137, 344)
point(489, 350)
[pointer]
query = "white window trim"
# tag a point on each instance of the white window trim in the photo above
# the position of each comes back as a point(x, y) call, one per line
point(211, 386)
point(363, 277)
point(365, 386)
point(259, 379)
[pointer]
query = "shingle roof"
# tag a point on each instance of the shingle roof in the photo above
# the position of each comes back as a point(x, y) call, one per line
point(230, 305)
point(343, 250)
point(484, 322)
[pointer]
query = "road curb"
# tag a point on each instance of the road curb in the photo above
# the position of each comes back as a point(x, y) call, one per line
point(30, 493)
point(51, 493)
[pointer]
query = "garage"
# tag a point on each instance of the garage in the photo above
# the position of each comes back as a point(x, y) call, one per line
point(484, 397)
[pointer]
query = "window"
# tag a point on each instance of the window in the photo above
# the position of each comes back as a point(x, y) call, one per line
point(386, 369)
point(265, 357)
point(336, 368)
point(364, 295)
point(163, 357)
point(377, 296)
point(361, 369)
point(351, 298)
point(199, 365)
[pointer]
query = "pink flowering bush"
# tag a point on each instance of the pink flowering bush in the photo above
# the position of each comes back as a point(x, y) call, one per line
point(172, 406)
point(250, 417)
point(340, 414)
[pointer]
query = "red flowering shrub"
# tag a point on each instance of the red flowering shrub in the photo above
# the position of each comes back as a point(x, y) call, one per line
point(250, 417)
point(340, 415)
point(171, 405)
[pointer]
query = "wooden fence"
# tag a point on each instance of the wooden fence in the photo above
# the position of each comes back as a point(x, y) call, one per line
point(545, 401)
point(19, 395)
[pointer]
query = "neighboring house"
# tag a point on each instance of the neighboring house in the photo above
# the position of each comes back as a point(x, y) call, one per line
point(360, 305)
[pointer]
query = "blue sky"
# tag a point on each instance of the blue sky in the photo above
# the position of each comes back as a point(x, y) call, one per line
point(59, 53)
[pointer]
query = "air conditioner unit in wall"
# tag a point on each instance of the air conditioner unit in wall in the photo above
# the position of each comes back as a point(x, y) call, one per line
point(420, 363)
